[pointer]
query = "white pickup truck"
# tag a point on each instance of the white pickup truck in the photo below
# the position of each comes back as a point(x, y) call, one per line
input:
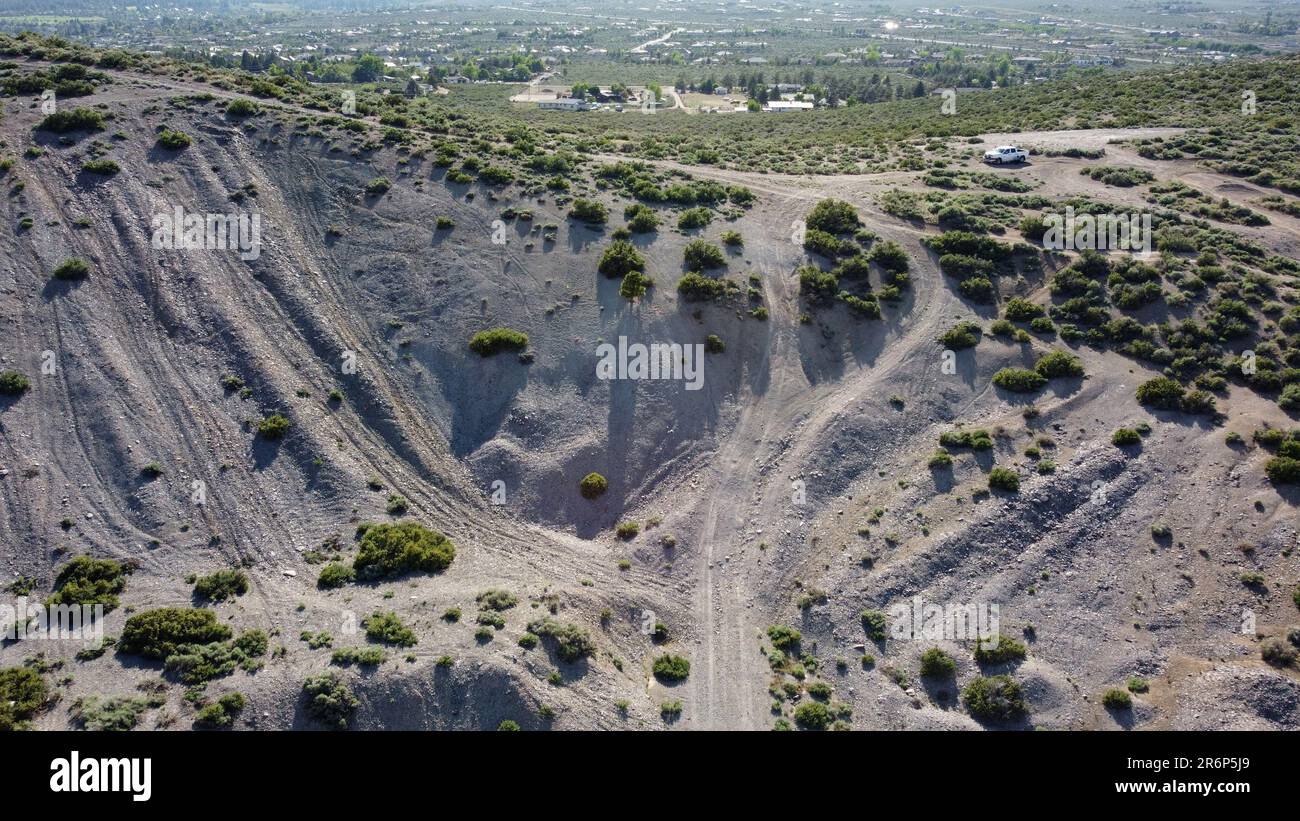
point(1006, 154)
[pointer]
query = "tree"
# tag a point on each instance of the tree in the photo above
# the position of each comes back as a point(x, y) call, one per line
point(368, 69)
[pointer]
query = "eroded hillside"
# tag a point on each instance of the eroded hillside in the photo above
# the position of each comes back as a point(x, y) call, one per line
point(798, 487)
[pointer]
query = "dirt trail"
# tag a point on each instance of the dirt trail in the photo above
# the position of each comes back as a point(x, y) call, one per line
point(750, 489)
point(748, 493)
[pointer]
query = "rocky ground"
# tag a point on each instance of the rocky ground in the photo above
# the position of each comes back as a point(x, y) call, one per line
point(765, 479)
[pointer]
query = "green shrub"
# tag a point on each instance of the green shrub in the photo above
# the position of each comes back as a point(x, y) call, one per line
point(1056, 364)
point(1290, 398)
point(13, 383)
point(377, 186)
point(72, 269)
point(1021, 310)
point(1004, 479)
point(1019, 380)
point(732, 239)
point(964, 267)
point(969, 244)
point(496, 340)
point(252, 643)
point(316, 640)
point(361, 656)
point(634, 285)
point(589, 211)
point(620, 259)
point(1119, 176)
point(571, 641)
point(1003, 650)
point(1138, 685)
point(387, 628)
point(627, 530)
point(103, 168)
point(820, 690)
point(242, 107)
point(1283, 470)
point(391, 549)
point(693, 218)
point(977, 289)
point(995, 698)
point(86, 581)
point(1117, 699)
point(960, 336)
point(22, 693)
point(495, 599)
point(812, 715)
point(1278, 653)
point(273, 427)
point(335, 574)
point(329, 700)
point(783, 637)
point(508, 726)
point(714, 344)
point(935, 663)
point(976, 439)
point(693, 287)
point(222, 585)
point(829, 246)
point(874, 623)
point(641, 219)
point(593, 485)
point(1198, 402)
point(1124, 437)
point(198, 663)
point(834, 217)
point(891, 257)
point(100, 714)
point(1161, 392)
point(174, 140)
point(222, 712)
point(495, 175)
point(671, 668)
point(700, 255)
point(159, 633)
point(77, 119)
